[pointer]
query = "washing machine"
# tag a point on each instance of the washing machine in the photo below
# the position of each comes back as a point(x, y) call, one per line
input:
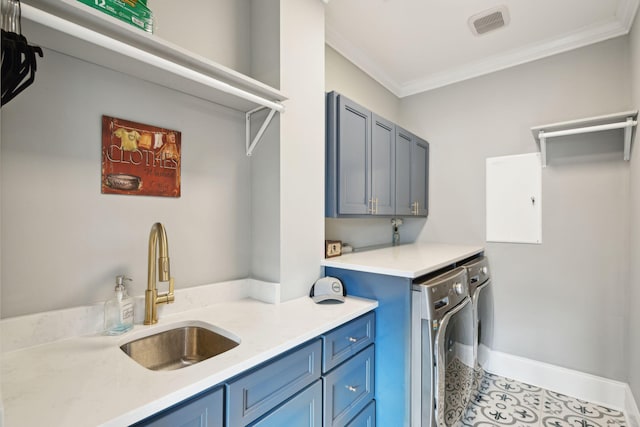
point(442, 358)
point(481, 293)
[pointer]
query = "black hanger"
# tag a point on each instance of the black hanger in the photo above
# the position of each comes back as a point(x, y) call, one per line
point(19, 63)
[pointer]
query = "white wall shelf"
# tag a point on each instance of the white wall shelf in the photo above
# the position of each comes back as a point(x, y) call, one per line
point(626, 120)
point(77, 30)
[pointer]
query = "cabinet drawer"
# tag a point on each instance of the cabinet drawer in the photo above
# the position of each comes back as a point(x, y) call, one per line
point(345, 341)
point(349, 388)
point(253, 395)
point(202, 411)
point(366, 418)
point(303, 410)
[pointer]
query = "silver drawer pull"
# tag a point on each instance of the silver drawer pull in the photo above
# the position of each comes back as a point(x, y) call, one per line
point(352, 339)
point(351, 388)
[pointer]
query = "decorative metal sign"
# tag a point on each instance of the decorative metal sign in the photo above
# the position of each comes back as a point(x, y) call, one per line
point(139, 159)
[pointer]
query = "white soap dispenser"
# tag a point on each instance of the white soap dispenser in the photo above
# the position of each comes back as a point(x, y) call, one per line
point(118, 311)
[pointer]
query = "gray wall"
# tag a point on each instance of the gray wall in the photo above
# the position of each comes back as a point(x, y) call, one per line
point(634, 291)
point(218, 30)
point(560, 302)
point(62, 241)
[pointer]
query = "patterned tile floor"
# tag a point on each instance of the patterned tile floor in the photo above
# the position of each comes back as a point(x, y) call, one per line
point(500, 401)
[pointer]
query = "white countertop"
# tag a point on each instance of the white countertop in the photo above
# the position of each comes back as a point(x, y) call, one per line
point(411, 261)
point(89, 381)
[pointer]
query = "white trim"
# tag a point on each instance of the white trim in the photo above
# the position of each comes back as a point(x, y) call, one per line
point(631, 408)
point(592, 388)
point(347, 49)
point(626, 12)
point(533, 52)
point(618, 26)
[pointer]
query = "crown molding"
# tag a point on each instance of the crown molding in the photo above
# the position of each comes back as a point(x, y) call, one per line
point(515, 57)
point(347, 49)
point(621, 25)
point(626, 13)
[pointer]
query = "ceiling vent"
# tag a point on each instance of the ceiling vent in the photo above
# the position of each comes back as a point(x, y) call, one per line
point(489, 20)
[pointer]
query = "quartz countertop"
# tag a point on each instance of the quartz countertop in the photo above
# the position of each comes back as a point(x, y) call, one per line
point(411, 260)
point(89, 381)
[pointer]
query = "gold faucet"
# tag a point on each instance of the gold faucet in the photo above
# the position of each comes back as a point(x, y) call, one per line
point(158, 236)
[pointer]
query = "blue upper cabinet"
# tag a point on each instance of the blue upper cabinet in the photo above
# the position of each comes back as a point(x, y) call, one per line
point(371, 169)
point(383, 167)
point(404, 140)
point(412, 174)
point(420, 177)
point(354, 158)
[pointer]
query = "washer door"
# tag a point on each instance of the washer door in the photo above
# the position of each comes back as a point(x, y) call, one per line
point(454, 364)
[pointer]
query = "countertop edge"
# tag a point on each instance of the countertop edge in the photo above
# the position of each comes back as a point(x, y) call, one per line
point(370, 262)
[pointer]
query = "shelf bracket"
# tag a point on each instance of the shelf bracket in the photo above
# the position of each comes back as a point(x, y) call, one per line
point(249, 143)
point(543, 148)
point(628, 130)
point(627, 125)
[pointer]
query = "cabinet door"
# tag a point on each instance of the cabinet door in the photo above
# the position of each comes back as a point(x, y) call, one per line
point(366, 418)
point(254, 394)
point(420, 176)
point(303, 410)
point(203, 411)
point(349, 388)
point(343, 342)
point(383, 167)
point(354, 158)
point(403, 172)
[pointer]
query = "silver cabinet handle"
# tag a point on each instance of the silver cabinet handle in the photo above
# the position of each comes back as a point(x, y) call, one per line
point(374, 205)
point(352, 339)
point(352, 388)
point(370, 206)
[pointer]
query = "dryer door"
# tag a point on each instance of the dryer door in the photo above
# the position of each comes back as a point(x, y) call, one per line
point(454, 364)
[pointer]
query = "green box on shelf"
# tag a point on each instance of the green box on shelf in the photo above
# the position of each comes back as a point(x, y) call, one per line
point(134, 12)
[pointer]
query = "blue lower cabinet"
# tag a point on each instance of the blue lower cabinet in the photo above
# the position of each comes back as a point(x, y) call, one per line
point(343, 342)
point(366, 418)
point(303, 410)
point(292, 389)
point(349, 388)
point(254, 394)
point(202, 411)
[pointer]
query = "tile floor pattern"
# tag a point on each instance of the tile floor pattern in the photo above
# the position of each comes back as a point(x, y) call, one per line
point(500, 401)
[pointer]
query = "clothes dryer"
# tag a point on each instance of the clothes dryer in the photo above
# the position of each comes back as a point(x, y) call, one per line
point(481, 293)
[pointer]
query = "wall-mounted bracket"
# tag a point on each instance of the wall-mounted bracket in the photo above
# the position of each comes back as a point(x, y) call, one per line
point(251, 143)
point(593, 124)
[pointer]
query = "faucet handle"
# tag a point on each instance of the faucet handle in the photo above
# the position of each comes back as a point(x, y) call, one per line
point(166, 297)
point(170, 296)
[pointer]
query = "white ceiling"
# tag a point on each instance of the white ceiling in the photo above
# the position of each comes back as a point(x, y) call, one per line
point(410, 46)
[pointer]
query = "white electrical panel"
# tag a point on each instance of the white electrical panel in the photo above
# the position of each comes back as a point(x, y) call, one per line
point(514, 199)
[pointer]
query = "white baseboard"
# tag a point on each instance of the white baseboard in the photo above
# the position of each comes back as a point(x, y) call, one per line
point(631, 409)
point(599, 390)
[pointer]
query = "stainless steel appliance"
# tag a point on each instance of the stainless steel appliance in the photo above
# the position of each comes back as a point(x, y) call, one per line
point(481, 295)
point(442, 359)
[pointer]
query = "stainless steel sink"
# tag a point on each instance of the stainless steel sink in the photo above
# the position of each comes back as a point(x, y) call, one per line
point(177, 348)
